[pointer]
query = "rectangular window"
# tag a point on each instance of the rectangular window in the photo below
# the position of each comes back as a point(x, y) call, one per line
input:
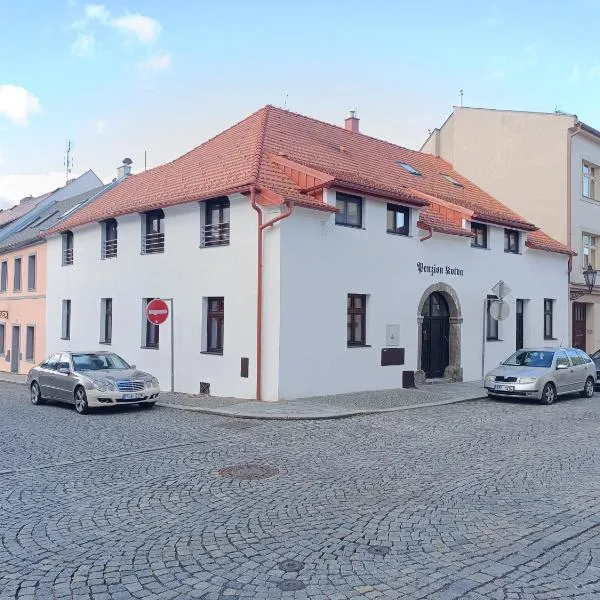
point(589, 250)
point(17, 275)
point(106, 321)
point(548, 318)
point(215, 229)
point(480, 231)
point(357, 319)
point(66, 320)
point(2, 337)
point(398, 219)
point(589, 180)
point(109, 239)
point(153, 232)
point(30, 343)
point(215, 324)
point(350, 210)
point(67, 248)
point(31, 272)
point(4, 276)
point(511, 241)
point(491, 323)
point(151, 331)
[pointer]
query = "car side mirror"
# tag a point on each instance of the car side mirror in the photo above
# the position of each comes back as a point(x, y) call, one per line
point(132, 367)
point(561, 366)
point(64, 370)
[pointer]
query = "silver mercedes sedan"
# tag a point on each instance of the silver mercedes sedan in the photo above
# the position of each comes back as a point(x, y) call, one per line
point(91, 379)
point(543, 374)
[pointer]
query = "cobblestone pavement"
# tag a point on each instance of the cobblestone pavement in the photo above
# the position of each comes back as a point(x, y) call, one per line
point(470, 501)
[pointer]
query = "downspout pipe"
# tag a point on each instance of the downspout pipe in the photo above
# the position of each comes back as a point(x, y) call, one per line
point(429, 235)
point(259, 279)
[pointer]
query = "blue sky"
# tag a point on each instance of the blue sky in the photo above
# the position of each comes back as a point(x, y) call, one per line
point(120, 78)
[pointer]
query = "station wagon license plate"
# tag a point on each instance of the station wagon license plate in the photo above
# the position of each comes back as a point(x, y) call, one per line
point(133, 396)
point(504, 388)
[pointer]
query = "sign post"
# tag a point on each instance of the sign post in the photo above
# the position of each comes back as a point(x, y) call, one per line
point(157, 312)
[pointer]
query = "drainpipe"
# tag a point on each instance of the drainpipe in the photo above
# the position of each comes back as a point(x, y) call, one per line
point(259, 279)
point(429, 235)
point(573, 131)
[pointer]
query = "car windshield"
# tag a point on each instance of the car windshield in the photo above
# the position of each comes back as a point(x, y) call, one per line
point(97, 362)
point(530, 358)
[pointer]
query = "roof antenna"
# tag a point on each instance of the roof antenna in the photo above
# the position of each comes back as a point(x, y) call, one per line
point(461, 97)
point(285, 101)
point(68, 162)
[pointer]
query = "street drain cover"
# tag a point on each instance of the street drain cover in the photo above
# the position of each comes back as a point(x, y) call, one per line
point(378, 550)
point(249, 471)
point(291, 585)
point(289, 566)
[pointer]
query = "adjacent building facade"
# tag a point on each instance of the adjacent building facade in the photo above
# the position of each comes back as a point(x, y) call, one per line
point(299, 259)
point(545, 166)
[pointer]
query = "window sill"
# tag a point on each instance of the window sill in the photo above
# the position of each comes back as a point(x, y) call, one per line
point(31, 289)
point(551, 339)
point(511, 252)
point(106, 343)
point(67, 264)
point(149, 347)
point(15, 291)
point(493, 340)
point(350, 226)
point(213, 352)
point(398, 234)
point(484, 248)
point(65, 338)
point(358, 345)
point(214, 245)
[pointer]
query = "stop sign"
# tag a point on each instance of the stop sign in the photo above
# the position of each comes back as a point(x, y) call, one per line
point(157, 311)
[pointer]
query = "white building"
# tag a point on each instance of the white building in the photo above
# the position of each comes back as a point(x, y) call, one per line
point(382, 261)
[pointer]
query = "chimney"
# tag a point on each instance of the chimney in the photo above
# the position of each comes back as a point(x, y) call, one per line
point(351, 123)
point(124, 169)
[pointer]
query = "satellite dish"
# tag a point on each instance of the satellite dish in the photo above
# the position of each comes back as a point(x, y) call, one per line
point(499, 310)
point(127, 161)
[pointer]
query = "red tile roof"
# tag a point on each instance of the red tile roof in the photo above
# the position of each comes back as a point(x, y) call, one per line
point(277, 150)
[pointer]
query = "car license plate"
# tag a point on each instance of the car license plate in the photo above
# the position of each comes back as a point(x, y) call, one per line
point(505, 388)
point(132, 396)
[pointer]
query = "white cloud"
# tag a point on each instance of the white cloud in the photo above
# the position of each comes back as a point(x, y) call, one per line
point(494, 17)
point(497, 74)
point(145, 29)
point(14, 187)
point(576, 74)
point(84, 45)
point(17, 104)
point(595, 71)
point(156, 63)
point(100, 125)
point(97, 12)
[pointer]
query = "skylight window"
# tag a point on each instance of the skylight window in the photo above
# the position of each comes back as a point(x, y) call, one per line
point(71, 210)
point(47, 217)
point(453, 181)
point(407, 167)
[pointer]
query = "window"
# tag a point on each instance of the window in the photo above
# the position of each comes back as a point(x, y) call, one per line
point(151, 331)
point(398, 219)
point(66, 320)
point(357, 319)
point(215, 230)
point(51, 363)
point(562, 359)
point(17, 275)
point(4, 276)
point(511, 241)
point(2, 337)
point(67, 248)
point(584, 357)
point(408, 168)
point(153, 234)
point(31, 272)
point(548, 318)
point(350, 210)
point(576, 359)
point(491, 323)
point(589, 250)
point(30, 343)
point(106, 320)
point(480, 231)
point(589, 180)
point(451, 180)
point(109, 239)
point(215, 324)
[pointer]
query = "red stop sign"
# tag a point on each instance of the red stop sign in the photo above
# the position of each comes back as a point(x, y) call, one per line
point(157, 311)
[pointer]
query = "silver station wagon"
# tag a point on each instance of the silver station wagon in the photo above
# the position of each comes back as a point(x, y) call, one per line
point(91, 379)
point(543, 374)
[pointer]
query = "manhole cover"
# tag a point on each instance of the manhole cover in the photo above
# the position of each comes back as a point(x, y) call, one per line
point(289, 566)
point(378, 550)
point(249, 471)
point(291, 585)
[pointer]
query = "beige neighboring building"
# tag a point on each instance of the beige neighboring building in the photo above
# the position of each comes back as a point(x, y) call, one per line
point(546, 166)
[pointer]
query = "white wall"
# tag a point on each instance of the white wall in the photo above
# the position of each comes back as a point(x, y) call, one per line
point(185, 272)
point(321, 263)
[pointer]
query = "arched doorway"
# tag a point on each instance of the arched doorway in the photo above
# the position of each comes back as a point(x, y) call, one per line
point(435, 346)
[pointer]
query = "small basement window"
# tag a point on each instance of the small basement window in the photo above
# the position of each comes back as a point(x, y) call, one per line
point(408, 168)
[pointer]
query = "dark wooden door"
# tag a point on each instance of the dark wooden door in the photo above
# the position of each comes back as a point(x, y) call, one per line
point(519, 324)
point(579, 325)
point(435, 347)
point(15, 351)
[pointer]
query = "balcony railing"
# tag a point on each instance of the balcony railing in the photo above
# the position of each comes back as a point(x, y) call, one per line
point(68, 256)
point(153, 243)
point(216, 234)
point(109, 248)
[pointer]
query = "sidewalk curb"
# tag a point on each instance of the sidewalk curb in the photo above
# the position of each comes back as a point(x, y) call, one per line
point(315, 417)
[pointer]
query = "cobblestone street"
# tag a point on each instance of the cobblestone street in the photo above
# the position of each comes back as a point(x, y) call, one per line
point(473, 500)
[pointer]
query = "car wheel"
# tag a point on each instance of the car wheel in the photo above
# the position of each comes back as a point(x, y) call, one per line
point(146, 405)
point(548, 394)
point(81, 403)
point(588, 390)
point(36, 394)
